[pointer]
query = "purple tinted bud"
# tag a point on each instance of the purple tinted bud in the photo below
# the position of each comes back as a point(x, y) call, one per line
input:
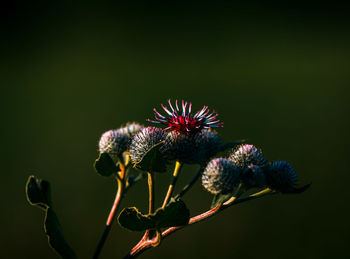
point(281, 176)
point(209, 144)
point(131, 128)
point(180, 147)
point(221, 176)
point(143, 141)
point(113, 142)
point(246, 155)
point(253, 176)
point(191, 149)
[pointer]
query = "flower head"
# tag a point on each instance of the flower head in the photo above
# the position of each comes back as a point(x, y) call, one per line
point(246, 155)
point(253, 176)
point(143, 141)
point(209, 144)
point(281, 176)
point(221, 176)
point(183, 121)
point(131, 128)
point(191, 149)
point(114, 142)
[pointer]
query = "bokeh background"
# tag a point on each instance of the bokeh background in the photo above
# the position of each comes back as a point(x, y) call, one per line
point(278, 75)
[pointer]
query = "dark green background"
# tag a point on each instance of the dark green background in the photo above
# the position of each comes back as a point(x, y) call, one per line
point(278, 75)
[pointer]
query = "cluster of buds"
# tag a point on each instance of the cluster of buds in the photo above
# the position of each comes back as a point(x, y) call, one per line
point(251, 169)
point(190, 139)
point(187, 138)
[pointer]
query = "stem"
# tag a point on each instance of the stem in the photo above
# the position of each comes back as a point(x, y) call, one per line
point(121, 174)
point(150, 193)
point(116, 203)
point(255, 195)
point(150, 233)
point(102, 241)
point(145, 245)
point(158, 239)
point(177, 169)
point(141, 247)
point(112, 213)
point(190, 184)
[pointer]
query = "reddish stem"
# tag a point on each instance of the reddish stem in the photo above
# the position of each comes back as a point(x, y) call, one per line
point(118, 196)
point(143, 245)
point(115, 204)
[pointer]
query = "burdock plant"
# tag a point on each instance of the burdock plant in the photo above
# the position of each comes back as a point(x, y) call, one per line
point(134, 152)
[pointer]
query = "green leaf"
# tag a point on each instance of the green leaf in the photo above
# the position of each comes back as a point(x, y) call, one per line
point(38, 194)
point(220, 198)
point(55, 235)
point(131, 218)
point(301, 189)
point(105, 166)
point(153, 160)
point(174, 214)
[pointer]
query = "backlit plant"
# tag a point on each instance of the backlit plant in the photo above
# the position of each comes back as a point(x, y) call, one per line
point(134, 152)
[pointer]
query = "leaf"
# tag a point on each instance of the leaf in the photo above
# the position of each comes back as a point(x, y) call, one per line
point(55, 235)
point(301, 189)
point(174, 214)
point(220, 198)
point(38, 194)
point(105, 166)
point(153, 160)
point(131, 218)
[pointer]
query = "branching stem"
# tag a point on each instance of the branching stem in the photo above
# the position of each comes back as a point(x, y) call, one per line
point(146, 244)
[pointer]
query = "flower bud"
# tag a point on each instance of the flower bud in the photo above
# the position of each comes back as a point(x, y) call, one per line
point(253, 176)
point(221, 176)
point(143, 141)
point(114, 142)
point(246, 155)
point(209, 144)
point(191, 149)
point(180, 147)
point(131, 128)
point(281, 176)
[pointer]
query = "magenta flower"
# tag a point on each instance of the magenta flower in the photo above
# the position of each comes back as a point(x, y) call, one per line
point(183, 121)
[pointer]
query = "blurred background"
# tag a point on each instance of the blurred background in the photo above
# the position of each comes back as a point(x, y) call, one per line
point(278, 75)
